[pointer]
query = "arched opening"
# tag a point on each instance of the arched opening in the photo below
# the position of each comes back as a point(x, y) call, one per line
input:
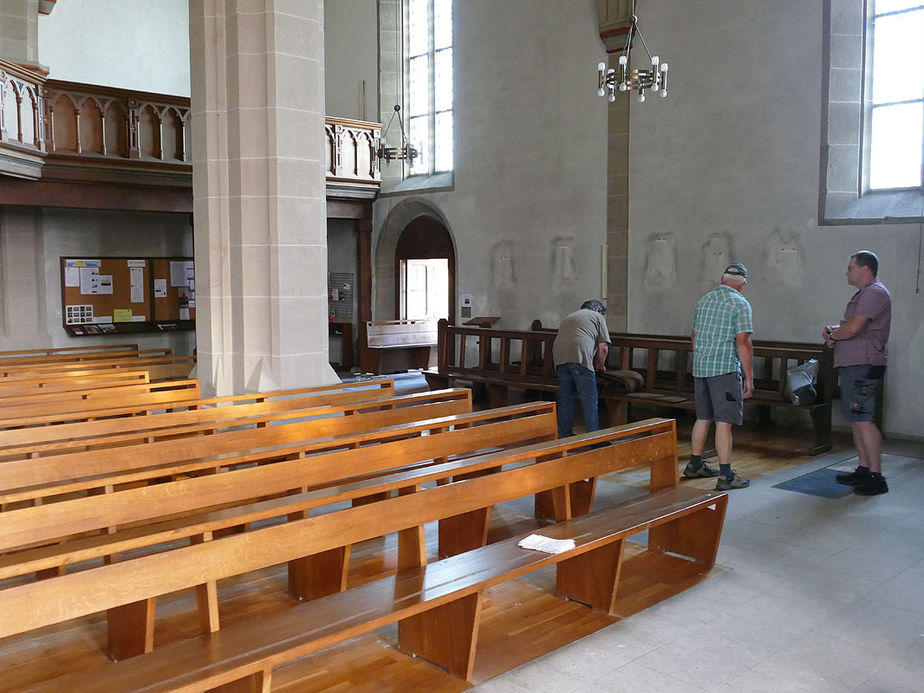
point(425, 269)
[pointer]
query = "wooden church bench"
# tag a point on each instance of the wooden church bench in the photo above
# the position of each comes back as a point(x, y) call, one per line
point(204, 416)
point(390, 346)
point(197, 508)
point(71, 353)
point(130, 358)
point(38, 480)
point(17, 411)
point(680, 522)
point(15, 386)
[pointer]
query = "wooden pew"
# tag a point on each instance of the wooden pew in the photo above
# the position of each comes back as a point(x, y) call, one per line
point(57, 382)
point(133, 359)
point(521, 359)
point(10, 356)
point(198, 417)
point(390, 346)
point(439, 621)
point(186, 504)
point(42, 479)
point(70, 406)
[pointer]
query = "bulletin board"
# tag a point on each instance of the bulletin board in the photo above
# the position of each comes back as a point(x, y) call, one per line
point(173, 282)
point(119, 295)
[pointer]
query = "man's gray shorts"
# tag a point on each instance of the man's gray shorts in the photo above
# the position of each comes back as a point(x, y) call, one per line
point(719, 398)
point(858, 392)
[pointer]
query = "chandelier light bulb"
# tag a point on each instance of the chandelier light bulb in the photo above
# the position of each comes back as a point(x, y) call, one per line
point(612, 97)
point(623, 59)
point(600, 91)
point(655, 60)
point(622, 86)
point(601, 67)
point(641, 97)
point(663, 93)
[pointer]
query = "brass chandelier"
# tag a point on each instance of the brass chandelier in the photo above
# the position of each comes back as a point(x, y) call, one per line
point(651, 77)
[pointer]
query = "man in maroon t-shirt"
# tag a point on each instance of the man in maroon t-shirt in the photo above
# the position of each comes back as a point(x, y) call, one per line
point(859, 343)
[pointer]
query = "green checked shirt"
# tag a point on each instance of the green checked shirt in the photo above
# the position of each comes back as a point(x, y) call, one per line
point(720, 315)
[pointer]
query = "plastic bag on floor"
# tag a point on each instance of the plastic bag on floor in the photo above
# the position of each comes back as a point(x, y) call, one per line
point(799, 382)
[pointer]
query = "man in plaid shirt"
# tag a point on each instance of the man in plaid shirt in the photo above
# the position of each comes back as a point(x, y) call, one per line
point(722, 350)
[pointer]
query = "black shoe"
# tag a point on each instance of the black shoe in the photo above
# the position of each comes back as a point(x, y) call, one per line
point(852, 478)
point(871, 486)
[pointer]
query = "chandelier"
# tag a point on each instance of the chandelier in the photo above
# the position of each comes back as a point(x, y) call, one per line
point(651, 77)
point(405, 151)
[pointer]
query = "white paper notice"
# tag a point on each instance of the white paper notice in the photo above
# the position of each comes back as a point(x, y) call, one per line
point(537, 542)
point(105, 284)
point(89, 280)
point(178, 273)
point(136, 277)
point(184, 313)
point(71, 276)
point(160, 288)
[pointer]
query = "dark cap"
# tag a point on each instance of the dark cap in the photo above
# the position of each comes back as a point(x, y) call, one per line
point(737, 269)
point(594, 304)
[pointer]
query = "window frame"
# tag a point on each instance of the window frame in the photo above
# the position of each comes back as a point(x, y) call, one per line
point(430, 145)
point(869, 106)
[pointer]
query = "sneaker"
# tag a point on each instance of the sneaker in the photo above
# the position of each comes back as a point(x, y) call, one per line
point(852, 478)
point(723, 483)
point(702, 472)
point(871, 486)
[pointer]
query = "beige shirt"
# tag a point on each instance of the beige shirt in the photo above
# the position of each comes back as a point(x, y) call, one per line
point(578, 337)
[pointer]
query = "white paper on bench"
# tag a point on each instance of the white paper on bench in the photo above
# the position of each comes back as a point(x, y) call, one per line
point(537, 542)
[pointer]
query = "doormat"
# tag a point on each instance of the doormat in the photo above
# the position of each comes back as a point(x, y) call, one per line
point(818, 483)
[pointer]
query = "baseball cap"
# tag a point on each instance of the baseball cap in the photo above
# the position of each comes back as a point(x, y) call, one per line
point(737, 269)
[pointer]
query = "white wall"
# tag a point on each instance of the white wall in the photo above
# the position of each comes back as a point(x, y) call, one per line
point(734, 153)
point(132, 44)
point(530, 161)
point(351, 59)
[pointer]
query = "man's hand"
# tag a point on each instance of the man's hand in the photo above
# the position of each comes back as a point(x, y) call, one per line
point(748, 390)
point(826, 334)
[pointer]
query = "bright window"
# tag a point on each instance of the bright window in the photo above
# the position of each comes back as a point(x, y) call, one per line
point(429, 84)
point(896, 105)
point(425, 289)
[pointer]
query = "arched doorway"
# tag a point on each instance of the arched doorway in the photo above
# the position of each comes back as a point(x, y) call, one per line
point(425, 269)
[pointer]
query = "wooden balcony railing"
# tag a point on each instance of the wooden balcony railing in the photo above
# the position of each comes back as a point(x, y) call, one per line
point(69, 132)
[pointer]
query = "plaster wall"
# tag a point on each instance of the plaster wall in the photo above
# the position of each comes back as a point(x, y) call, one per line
point(727, 169)
point(527, 202)
point(120, 43)
point(351, 59)
point(33, 241)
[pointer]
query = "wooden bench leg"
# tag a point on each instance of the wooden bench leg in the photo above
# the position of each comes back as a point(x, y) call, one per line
point(497, 395)
point(463, 532)
point(131, 629)
point(821, 422)
point(320, 574)
point(554, 504)
point(582, 496)
point(592, 577)
point(260, 682)
point(445, 635)
point(412, 542)
point(695, 535)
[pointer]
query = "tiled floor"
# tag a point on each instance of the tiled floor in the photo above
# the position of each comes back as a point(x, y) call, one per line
point(811, 594)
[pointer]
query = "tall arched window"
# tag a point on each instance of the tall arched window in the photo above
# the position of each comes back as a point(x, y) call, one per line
point(429, 102)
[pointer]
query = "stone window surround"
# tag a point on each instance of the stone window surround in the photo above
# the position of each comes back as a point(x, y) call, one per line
point(843, 132)
point(391, 80)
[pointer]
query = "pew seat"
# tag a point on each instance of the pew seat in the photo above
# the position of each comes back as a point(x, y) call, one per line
point(437, 606)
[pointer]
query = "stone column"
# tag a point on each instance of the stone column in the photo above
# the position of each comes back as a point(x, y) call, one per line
point(19, 32)
point(614, 22)
point(257, 82)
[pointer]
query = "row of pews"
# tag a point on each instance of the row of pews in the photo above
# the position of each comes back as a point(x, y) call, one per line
point(109, 509)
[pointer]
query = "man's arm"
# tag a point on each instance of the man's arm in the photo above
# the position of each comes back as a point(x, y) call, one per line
point(846, 330)
point(600, 357)
point(746, 356)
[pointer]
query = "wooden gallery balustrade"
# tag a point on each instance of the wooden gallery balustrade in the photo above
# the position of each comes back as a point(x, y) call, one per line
point(66, 144)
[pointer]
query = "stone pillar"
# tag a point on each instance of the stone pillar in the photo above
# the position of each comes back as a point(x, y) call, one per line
point(19, 32)
point(23, 312)
point(614, 22)
point(257, 84)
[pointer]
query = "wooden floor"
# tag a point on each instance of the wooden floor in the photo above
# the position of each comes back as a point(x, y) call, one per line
point(521, 621)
